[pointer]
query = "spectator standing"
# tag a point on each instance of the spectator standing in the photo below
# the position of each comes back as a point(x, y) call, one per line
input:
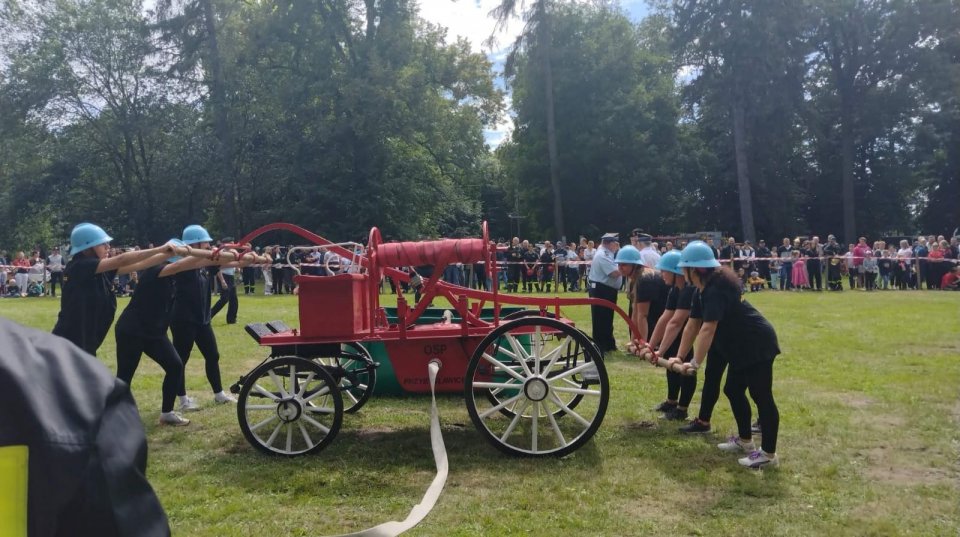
point(814, 265)
point(530, 260)
point(799, 272)
point(22, 273)
point(515, 267)
point(885, 265)
point(920, 252)
point(904, 255)
point(604, 282)
point(228, 294)
point(548, 263)
point(785, 253)
point(763, 262)
point(870, 270)
point(55, 265)
point(589, 251)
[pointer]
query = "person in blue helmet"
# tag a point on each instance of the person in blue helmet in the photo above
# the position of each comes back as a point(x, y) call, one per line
point(680, 388)
point(88, 304)
point(142, 328)
point(727, 323)
point(190, 324)
point(645, 289)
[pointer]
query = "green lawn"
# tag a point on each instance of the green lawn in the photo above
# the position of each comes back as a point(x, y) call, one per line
point(868, 392)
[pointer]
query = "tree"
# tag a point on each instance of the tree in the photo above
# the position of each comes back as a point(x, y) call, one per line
point(537, 32)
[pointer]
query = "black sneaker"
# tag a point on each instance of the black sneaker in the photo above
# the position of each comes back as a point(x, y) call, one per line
point(665, 406)
point(695, 427)
point(755, 427)
point(675, 414)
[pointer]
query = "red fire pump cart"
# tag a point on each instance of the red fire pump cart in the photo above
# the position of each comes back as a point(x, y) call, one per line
point(534, 384)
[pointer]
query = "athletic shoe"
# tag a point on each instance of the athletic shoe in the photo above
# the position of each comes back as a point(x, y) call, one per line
point(755, 427)
point(675, 414)
point(172, 418)
point(735, 443)
point(695, 427)
point(758, 459)
point(187, 404)
point(224, 397)
point(665, 406)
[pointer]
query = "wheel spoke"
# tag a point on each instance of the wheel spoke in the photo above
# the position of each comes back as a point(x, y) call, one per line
point(259, 389)
point(553, 356)
point(573, 371)
point(273, 435)
point(567, 410)
point(260, 407)
point(352, 398)
point(515, 421)
point(323, 391)
point(306, 437)
point(323, 428)
point(278, 383)
point(502, 367)
point(319, 409)
point(289, 437)
point(262, 423)
point(577, 391)
point(537, 349)
point(556, 429)
point(518, 349)
point(534, 430)
point(306, 382)
point(486, 413)
point(499, 385)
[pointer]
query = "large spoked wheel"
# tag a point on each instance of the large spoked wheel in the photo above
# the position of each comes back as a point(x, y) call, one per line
point(357, 373)
point(524, 381)
point(290, 406)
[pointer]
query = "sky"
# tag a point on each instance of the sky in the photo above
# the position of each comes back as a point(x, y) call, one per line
point(470, 19)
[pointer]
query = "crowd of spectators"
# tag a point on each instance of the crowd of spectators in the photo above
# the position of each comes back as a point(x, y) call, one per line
point(526, 266)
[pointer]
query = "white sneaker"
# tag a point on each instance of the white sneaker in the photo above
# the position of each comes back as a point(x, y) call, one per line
point(735, 444)
point(758, 459)
point(172, 418)
point(224, 397)
point(187, 404)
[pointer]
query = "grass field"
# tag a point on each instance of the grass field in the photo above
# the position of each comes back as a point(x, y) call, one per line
point(867, 386)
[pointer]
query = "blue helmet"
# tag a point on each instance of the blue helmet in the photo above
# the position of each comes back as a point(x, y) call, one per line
point(87, 235)
point(669, 261)
point(194, 234)
point(175, 258)
point(628, 255)
point(698, 254)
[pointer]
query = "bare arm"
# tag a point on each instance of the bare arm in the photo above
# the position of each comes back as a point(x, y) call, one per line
point(704, 340)
point(155, 259)
point(674, 328)
point(660, 328)
point(641, 311)
point(128, 258)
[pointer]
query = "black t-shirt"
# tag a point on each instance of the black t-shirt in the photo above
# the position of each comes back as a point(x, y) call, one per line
point(743, 334)
point(650, 288)
point(548, 258)
point(672, 296)
point(193, 290)
point(149, 312)
point(87, 305)
point(530, 256)
point(680, 299)
point(763, 251)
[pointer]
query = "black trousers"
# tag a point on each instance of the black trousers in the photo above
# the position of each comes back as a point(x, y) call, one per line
point(758, 379)
point(277, 274)
point(55, 279)
point(184, 337)
point(228, 297)
point(814, 269)
point(763, 268)
point(249, 280)
point(130, 347)
point(712, 378)
point(680, 388)
point(602, 317)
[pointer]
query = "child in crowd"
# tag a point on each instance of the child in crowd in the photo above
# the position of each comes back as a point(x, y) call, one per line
point(799, 272)
point(775, 274)
point(870, 270)
point(756, 282)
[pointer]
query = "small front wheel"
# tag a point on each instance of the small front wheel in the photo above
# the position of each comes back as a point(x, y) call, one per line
point(290, 406)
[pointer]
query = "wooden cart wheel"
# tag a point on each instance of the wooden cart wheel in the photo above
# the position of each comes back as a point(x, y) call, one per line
point(530, 376)
point(290, 406)
point(357, 373)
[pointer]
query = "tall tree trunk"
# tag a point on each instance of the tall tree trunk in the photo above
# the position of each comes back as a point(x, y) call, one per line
point(743, 175)
point(551, 129)
point(846, 165)
point(218, 104)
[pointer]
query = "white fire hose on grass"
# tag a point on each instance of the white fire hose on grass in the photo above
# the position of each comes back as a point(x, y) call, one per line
point(422, 509)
